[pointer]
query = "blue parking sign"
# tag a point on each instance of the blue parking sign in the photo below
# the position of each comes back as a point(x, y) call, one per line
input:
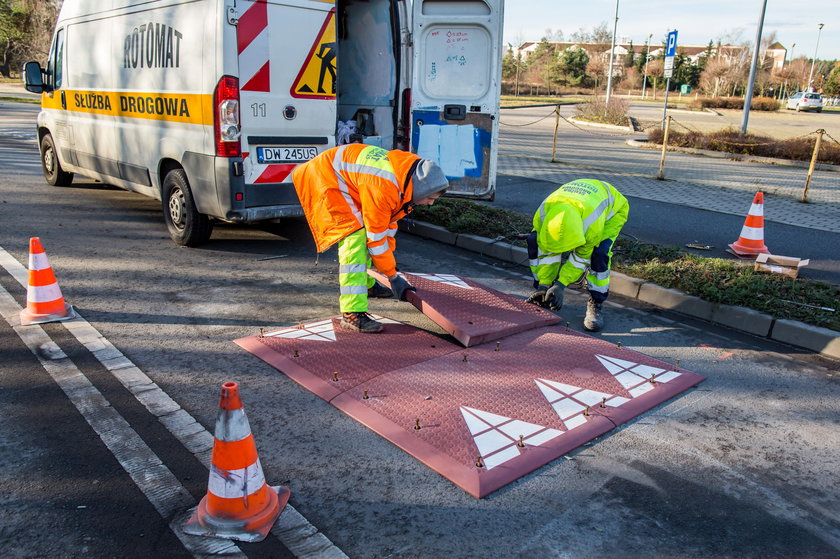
point(671, 49)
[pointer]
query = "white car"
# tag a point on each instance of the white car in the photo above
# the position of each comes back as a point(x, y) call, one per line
point(805, 101)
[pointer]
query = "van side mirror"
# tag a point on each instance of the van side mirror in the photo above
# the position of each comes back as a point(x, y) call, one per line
point(33, 78)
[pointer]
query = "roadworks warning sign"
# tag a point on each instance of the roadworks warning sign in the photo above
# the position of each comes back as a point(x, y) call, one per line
point(316, 79)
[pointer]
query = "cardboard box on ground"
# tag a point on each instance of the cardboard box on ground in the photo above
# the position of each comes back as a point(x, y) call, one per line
point(787, 265)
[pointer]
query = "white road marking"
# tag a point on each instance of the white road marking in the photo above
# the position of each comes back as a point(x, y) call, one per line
point(152, 477)
point(297, 534)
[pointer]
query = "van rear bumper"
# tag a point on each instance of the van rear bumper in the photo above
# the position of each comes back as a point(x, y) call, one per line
point(217, 182)
point(263, 213)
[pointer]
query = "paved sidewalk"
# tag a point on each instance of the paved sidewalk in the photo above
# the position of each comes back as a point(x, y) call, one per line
point(735, 200)
point(695, 181)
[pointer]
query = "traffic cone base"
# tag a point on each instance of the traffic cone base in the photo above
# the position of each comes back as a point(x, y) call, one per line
point(239, 504)
point(750, 242)
point(202, 523)
point(44, 301)
point(28, 318)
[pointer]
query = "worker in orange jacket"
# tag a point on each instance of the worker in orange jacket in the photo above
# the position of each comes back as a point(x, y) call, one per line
point(353, 195)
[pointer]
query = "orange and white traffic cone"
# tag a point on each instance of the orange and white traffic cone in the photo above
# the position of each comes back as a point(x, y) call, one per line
point(751, 241)
point(44, 302)
point(239, 505)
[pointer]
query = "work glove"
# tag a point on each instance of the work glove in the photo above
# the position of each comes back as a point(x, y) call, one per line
point(538, 296)
point(553, 298)
point(399, 285)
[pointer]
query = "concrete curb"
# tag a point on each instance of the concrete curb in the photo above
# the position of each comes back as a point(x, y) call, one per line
point(615, 127)
point(813, 338)
point(736, 156)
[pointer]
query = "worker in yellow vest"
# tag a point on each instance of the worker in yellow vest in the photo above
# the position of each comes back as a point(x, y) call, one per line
point(353, 195)
point(581, 218)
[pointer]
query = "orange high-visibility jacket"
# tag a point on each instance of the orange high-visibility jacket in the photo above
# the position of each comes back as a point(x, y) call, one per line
point(352, 186)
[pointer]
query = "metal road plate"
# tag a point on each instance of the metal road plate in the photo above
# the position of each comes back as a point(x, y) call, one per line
point(471, 312)
point(487, 415)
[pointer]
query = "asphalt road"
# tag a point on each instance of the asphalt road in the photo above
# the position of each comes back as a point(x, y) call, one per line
point(744, 465)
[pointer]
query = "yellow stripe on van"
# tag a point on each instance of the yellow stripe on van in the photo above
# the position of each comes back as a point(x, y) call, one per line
point(190, 108)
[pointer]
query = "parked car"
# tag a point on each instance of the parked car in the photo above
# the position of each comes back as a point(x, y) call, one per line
point(805, 101)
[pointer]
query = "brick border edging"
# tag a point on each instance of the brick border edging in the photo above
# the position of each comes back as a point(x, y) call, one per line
point(820, 340)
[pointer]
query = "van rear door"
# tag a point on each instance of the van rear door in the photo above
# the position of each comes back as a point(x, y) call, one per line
point(287, 70)
point(456, 81)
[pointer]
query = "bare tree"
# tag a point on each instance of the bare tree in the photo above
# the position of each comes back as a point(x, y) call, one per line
point(26, 30)
point(712, 78)
point(553, 36)
point(596, 67)
point(655, 70)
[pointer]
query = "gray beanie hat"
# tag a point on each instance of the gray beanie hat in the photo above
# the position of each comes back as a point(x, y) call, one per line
point(428, 179)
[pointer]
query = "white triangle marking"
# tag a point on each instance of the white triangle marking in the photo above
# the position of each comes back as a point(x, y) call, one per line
point(610, 366)
point(516, 428)
point(496, 437)
point(635, 377)
point(321, 331)
point(617, 361)
point(490, 418)
point(566, 389)
point(549, 394)
point(474, 424)
point(448, 279)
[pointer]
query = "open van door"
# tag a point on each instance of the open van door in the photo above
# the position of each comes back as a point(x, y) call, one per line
point(456, 81)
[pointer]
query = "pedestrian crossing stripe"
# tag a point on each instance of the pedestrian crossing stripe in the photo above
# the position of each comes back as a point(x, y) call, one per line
point(321, 331)
point(317, 76)
point(497, 437)
point(634, 377)
point(447, 279)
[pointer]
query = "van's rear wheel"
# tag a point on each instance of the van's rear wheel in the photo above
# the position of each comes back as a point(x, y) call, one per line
point(55, 175)
point(186, 225)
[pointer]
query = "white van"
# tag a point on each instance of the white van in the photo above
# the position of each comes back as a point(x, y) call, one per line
point(208, 105)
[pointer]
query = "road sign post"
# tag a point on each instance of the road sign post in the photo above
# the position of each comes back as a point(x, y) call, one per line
point(670, 52)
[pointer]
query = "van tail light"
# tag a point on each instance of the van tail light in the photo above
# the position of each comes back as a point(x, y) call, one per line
point(406, 118)
point(226, 117)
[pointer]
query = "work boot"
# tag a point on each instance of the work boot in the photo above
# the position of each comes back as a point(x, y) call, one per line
point(594, 319)
point(360, 322)
point(379, 291)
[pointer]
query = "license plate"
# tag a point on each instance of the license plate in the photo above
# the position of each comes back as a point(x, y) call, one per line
point(286, 154)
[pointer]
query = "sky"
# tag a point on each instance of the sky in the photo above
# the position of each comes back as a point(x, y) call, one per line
point(696, 21)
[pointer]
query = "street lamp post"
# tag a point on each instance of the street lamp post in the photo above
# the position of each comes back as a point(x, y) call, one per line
point(612, 53)
point(647, 56)
point(811, 75)
point(751, 82)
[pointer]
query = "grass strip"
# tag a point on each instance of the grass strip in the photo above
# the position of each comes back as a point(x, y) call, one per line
point(731, 140)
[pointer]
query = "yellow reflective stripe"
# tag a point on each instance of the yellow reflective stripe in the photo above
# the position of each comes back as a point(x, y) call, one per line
point(188, 108)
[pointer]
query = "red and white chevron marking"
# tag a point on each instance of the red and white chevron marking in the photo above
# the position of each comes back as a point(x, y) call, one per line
point(265, 174)
point(252, 40)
